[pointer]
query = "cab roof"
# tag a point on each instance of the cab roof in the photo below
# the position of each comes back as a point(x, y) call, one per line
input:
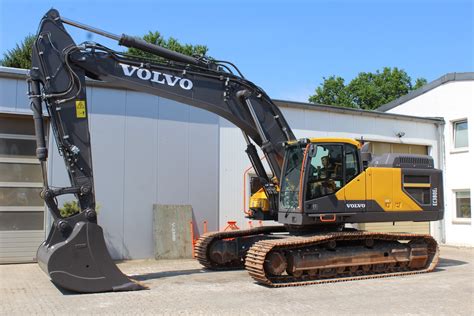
point(335, 140)
point(341, 140)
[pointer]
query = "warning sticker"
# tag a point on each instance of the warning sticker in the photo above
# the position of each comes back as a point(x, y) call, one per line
point(81, 109)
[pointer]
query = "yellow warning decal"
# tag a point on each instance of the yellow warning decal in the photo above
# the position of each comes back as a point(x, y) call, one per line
point(81, 109)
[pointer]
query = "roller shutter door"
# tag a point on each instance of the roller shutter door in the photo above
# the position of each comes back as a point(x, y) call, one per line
point(21, 208)
point(378, 148)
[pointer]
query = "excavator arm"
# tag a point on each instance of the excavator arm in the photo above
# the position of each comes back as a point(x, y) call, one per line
point(74, 254)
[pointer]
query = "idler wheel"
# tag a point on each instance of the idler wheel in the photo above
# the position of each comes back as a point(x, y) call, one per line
point(275, 263)
point(222, 252)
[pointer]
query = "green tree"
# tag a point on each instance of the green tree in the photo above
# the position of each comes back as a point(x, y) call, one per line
point(20, 56)
point(420, 82)
point(333, 91)
point(170, 43)
point(368, 90)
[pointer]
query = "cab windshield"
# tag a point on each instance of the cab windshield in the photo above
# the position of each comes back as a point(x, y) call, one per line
point(290, 181)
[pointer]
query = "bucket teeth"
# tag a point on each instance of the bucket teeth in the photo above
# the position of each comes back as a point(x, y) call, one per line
point(82, 263)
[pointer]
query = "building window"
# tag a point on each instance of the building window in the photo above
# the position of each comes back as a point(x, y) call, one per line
point(460, 134)
point(463, 205)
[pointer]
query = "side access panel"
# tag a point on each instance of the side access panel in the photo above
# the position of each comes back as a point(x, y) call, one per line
point(384, 191)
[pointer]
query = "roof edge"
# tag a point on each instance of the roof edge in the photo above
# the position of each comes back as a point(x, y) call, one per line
point(13, 72)
point(353, 111)
point(452, 76)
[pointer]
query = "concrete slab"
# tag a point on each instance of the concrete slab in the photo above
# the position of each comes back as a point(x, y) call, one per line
point(182, 287)
point(172, 231)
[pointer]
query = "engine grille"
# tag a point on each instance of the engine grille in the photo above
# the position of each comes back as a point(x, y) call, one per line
point(395, 160)
point(423, 162)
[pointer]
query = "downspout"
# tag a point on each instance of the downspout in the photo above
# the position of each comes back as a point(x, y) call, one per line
point(442, 165)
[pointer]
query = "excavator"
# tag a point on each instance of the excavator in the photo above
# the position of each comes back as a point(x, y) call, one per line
point(318, 187)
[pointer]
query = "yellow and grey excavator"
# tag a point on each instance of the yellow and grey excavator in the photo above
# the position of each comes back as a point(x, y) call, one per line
point(317, 186)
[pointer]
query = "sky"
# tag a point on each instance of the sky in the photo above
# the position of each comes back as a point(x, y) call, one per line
point(286, 47)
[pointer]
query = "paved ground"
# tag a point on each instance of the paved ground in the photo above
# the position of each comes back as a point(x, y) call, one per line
point(181, 287)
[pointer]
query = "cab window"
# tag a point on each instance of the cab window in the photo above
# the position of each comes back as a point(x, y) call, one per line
point(330, 168)
point(325, 171)
point(290, 181)
point(352, 163)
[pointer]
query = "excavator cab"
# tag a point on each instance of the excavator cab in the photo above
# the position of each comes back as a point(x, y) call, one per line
point(330, 181)
point(314, 170)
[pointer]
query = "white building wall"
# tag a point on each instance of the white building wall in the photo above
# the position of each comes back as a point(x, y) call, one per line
point(312, 123)
point(453, 100)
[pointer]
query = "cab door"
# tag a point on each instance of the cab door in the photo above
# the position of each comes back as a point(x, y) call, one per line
point(354, 192)
point(323, 178)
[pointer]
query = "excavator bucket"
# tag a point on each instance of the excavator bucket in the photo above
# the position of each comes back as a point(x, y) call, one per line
point(81, 262)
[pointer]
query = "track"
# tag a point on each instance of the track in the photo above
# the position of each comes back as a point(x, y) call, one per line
point(257, 254)
point(203, 243)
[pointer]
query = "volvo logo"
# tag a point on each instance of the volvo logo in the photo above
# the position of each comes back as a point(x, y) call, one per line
point(355, 205)
point(156, 76)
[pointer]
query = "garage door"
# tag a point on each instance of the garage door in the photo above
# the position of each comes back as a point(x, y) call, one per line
point(21, 208)
point(378, 148)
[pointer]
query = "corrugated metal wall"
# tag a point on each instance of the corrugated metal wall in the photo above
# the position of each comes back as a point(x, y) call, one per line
point(13, 98)
point(147, 150)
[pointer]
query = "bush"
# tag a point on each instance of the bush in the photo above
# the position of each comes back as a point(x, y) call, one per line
point(72, 208)
point(69, 209)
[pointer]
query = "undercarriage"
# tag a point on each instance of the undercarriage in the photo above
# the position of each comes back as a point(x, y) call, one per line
point(277, 258)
